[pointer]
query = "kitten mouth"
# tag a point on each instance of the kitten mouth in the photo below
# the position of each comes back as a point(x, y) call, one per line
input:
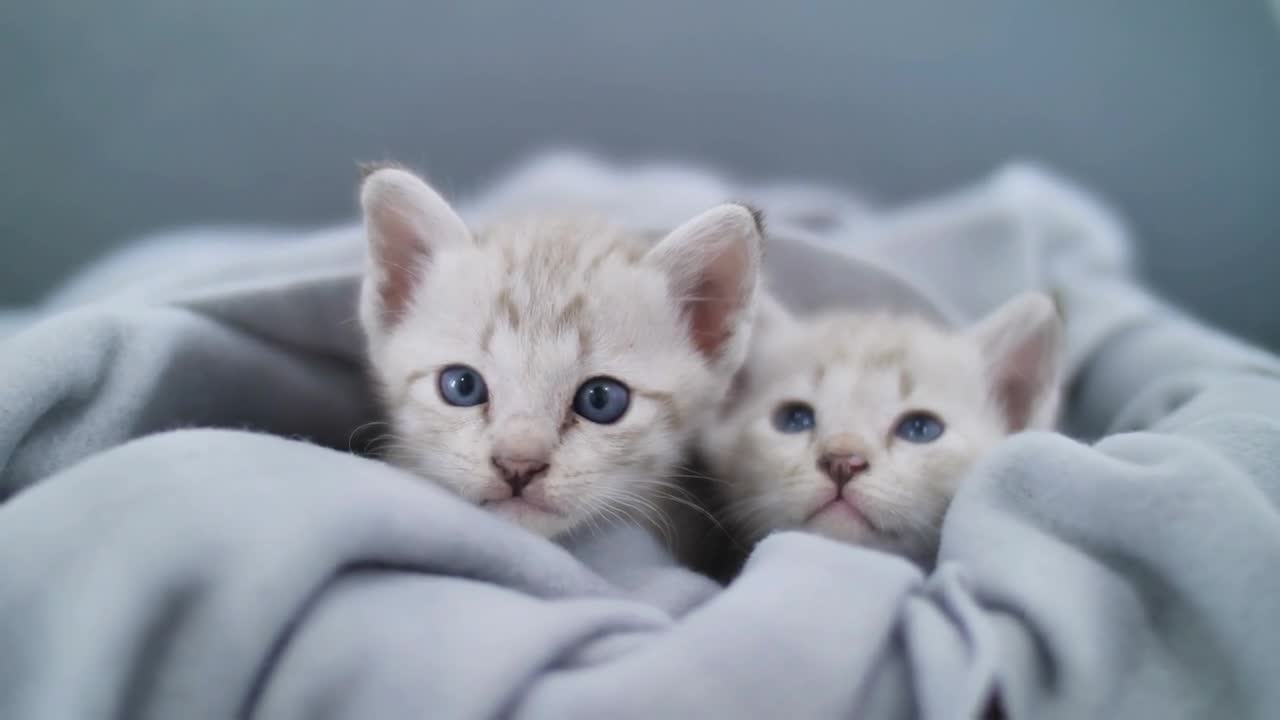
point(839, 510)
point(517, 505)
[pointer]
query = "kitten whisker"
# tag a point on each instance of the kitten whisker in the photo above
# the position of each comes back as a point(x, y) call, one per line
point(631, 501)
point(692, 505)
point(692, 473)
point(358, 429)
point(751, 512)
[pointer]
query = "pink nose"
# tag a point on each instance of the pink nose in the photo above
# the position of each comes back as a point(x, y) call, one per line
point(842, 467)
point(518, 472)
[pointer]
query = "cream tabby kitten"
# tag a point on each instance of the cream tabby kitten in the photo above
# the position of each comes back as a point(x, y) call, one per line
point(859, 426)
point(553, 370)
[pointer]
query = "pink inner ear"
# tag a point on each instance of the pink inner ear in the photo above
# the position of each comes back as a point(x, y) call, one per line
point(1021, 382)
point(1015, 395)
point(401, 258)
point(714, 300)
point(709, 318)
point(711, 266)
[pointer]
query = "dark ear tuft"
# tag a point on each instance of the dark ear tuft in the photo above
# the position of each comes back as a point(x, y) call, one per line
point(369, 168)
point(757, 215)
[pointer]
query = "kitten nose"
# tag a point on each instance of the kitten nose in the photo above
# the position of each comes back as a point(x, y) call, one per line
point(522, 449)
point(518, 473)
point(842, 467)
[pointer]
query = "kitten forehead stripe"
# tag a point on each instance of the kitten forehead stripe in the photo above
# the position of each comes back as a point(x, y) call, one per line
point(571, 314)
point(632, 251)
point(508, 307)
point(595, 262)
point(486, 335)
point(887, 357)
point(584, 343)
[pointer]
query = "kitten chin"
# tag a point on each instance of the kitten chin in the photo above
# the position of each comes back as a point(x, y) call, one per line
point(860, 426)
point(550, 368)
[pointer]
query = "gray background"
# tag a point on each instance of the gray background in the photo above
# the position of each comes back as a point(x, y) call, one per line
point(127, 116)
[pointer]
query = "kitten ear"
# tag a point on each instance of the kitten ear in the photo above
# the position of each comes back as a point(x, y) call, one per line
point(712, 264)
point(1021, 343)
point(406, 223)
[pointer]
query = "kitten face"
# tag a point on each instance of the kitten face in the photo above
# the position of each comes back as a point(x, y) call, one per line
point(859, 427)
point(551, 370)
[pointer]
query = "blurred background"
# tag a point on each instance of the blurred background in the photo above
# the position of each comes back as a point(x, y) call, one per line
point(119, 118)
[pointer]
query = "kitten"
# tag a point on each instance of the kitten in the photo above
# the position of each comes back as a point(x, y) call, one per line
point(551, 369)
point(859, 426)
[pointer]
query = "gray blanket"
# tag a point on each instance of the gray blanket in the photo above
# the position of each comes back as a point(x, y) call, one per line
point(185, 534)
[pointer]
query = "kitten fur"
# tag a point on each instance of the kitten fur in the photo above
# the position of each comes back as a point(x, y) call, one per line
point(537, 305)
point(861, 372)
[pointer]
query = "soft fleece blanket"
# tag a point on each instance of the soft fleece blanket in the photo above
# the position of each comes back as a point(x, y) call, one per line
point(184, 533)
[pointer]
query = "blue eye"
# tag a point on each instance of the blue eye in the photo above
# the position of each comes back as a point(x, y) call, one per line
point(602, 400)
point(794, 417)
point(462, 386)
point(919, 427)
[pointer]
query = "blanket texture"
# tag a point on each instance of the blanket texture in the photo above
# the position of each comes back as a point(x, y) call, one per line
point(185, 534)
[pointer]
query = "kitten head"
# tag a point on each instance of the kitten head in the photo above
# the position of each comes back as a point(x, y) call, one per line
point(859, 427)
point(551, 369)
